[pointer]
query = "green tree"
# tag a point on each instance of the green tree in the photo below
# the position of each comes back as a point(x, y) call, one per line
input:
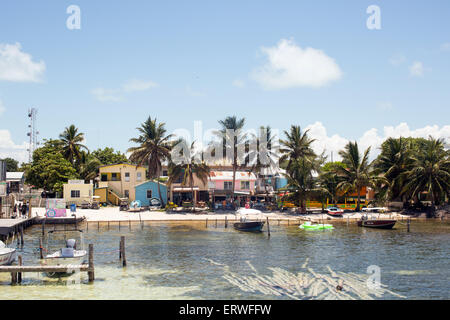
point(49, 169)
point(357, 172)
point(71, 141)
point(154, 146)
point(296, 146)
point(108, 156)
point(329, 180)
point(430, 171)
point(187, 167)
point(11, 165)
point(231, 130)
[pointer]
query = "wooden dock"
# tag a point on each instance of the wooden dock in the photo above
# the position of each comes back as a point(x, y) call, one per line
point(8, 227)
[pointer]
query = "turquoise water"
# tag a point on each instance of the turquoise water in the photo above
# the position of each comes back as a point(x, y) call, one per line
point(189, 261)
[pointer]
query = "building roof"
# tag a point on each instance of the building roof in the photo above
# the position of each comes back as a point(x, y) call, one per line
point(120, 164)
point(14, 175)
point(140, 184)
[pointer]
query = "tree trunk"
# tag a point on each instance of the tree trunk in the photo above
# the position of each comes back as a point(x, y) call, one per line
point(358, 204)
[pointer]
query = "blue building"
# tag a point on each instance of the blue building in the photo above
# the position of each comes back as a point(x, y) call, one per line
point(149, 189)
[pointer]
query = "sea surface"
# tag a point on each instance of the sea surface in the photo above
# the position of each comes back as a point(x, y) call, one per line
point(190, 261)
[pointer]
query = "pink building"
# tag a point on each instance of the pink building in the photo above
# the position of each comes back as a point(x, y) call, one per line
point(221, 182)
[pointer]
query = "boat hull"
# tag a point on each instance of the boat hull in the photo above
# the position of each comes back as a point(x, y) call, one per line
point(250, 226)
point(377, 224)
point(57, 261)
point(7, 256)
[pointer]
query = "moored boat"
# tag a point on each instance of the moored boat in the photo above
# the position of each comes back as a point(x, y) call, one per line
point(7, 255)
point(334, 211)
point(378, 223)
point(252, 226)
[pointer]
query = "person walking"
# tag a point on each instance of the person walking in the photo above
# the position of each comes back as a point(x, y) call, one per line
point(24, 210)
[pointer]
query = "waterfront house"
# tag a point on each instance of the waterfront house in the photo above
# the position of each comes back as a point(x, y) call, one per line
point(221, 183)
point(148, 190)
point(118, 181)
point(15, 181)
point(77, 192)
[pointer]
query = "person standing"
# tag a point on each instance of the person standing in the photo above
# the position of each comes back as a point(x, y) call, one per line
point(24, 210)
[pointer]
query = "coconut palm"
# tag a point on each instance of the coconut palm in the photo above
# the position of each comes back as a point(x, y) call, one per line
point(430, 171)
point(231, 130)
point(393, 161)
point(188, 167)
point(356, 172)
point(71, 142)
point(296, 146)
point(154, 147)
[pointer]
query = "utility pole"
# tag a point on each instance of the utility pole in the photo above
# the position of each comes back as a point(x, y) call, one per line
point(32, 133)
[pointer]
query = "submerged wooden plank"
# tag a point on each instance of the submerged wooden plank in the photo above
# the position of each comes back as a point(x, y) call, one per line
point(65, 268)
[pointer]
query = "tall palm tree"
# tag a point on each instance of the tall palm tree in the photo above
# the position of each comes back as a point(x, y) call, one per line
point(329, 180)
point(296, 146)
point(393, 161)
point(71, 141)
point(231, 130)
point(357, 172)
point(188, 168)
point(154, 147)
point(430, 171)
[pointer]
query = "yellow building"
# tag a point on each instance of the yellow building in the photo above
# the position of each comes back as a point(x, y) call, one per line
point(77, 191)
point(120, 180)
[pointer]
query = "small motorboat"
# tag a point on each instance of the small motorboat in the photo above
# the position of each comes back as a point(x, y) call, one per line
point(7, 255)
point(334, 211)
point(72, 254)
point(320, 226)
point(377, 223)
point(247, 222)
point(135, 206)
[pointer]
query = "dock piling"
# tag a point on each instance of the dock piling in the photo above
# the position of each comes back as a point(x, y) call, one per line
point(122, 251)
point(408, 224)
point(268, 227)
point(41, 253)
point(226, 222)
point(21, 236)
point(91, 274)
point(19, 274)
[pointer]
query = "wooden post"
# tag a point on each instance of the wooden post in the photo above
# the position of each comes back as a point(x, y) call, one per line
point(129, 224)
point(216, 222)
point(19, 275)
point(17, 235)
point(41, 253)
point(119, 224)
point(226, 222)
point(120, 249)
point(206, 222)
point(13, 277)
point(268, 226)
point(87, 225)
point(21, 236)
point(140, 221)
point(108, 225)
point(91, 274)
point(98, 225)
point(124, 259)
point(408, 223)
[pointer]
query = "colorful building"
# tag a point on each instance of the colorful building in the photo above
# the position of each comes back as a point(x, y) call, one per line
point(118, 181)
point(222, 183)
point(77, 191)
point(148, 190)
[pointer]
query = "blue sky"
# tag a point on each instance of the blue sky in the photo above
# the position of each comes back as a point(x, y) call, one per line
point(201, 60)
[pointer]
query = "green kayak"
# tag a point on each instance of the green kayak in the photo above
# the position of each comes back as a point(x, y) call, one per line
point(309, 226)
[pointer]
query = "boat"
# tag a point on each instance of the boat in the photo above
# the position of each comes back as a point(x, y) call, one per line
point(320, 226)
point(73, 253)
point(247, 222)
point(377, 223)
point(7, 255)
point(334, 211)
point(375, 210)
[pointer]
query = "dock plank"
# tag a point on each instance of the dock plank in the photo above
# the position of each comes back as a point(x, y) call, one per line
point(65, 268)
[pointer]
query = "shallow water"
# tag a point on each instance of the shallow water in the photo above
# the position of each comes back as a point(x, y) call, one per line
point(185, 260)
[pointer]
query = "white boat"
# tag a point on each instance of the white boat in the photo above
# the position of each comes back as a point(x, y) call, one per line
point(7, 255)
point(72, 254)
point(245, 212)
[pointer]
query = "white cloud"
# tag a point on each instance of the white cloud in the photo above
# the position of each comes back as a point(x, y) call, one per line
point(397, 59)
point(371, 138)
point(238, 83)
point(9, 149)
point(115, 95)
point(2, 107)
point(416, 69)
point(138, 85)
point(291, 66)
point(445, 47)
point(106, 95)
point(18, 66)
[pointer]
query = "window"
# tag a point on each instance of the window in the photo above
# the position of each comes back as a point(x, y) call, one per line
point(139, 176)
point(228, 185)
point(114, 177)
point(245, 185)
point(127, 194)
point(149, 194)
point(74, 193)
point(164, 173)
point(104, 177)
point(127, 177)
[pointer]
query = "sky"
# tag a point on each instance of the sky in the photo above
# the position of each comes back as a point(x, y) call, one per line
point(334, 67)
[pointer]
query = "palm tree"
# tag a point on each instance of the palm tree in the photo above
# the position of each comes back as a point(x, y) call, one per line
point(296, 146)
point(265, 157)
point(89, 166)
point(329, 180)
point(154, 147)
point(430, 171)
point(71, 141)
point(357, 171)
point(232, 131)
point(187, 168)
point(393, 161)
